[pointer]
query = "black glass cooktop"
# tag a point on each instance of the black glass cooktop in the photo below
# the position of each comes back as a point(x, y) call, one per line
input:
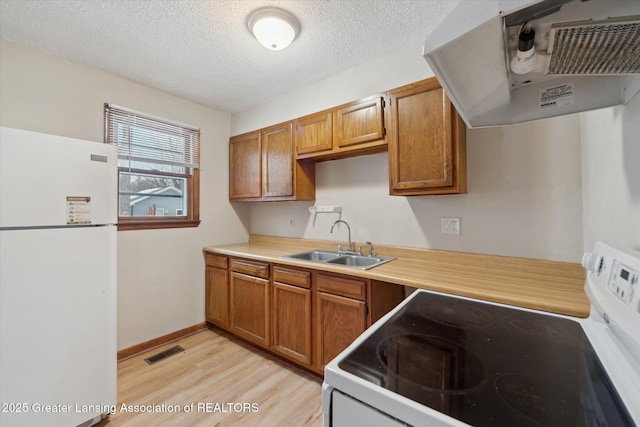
point(488, 365)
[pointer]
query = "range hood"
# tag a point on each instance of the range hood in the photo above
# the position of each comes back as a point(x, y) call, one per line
point(588, 57)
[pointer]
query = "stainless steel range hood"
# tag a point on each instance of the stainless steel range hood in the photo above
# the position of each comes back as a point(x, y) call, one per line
point(588, 57)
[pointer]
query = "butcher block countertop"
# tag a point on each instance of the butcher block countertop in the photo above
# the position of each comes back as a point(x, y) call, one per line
point(552, 286)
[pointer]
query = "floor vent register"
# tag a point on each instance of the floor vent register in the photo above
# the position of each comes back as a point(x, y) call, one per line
point(164, 354)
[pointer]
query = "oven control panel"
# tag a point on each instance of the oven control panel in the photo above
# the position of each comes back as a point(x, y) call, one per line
point(613, 280)
point(623, 282)
point(613, 288)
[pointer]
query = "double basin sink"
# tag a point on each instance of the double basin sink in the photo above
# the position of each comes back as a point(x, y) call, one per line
point(360, 262)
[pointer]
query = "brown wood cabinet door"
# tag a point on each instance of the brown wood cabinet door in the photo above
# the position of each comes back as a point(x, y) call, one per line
point(245, 169)
point(250, 308)
point(425, 145)
point(359, 123)
point(339, 321)
point(217, 296)
point(277, 161)
point(313, 133)
point(292, 322)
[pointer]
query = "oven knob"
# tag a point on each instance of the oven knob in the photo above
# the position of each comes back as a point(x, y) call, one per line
point(592, 262)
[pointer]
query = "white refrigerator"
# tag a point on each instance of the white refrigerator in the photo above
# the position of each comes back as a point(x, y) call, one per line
point(58, 215)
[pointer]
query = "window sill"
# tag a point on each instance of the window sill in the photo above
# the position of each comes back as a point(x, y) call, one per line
point(154, 224)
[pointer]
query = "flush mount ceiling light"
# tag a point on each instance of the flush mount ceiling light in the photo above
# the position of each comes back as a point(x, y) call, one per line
point(274, 28)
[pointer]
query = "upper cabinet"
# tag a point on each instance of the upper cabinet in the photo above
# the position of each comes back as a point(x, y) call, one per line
point(262, 167)
point(313, 134)
point(416, 123)
point(277, 161)
point(245, 166)
point(348, 130)
point(359, 123)
point(427, 142)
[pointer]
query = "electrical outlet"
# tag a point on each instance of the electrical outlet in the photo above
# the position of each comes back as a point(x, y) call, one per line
point(450, 226)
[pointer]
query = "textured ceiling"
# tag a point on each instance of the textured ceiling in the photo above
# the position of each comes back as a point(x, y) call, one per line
point(201, 49)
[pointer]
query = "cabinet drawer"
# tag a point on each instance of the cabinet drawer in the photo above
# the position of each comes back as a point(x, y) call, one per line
point(216, 260)
point(346, 287)
point(252, 268)
point(292, 277)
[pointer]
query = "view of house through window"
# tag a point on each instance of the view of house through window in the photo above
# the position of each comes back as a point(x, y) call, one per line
point(151, 195)
point(158, 169)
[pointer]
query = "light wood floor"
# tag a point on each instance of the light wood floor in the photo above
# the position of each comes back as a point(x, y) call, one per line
point(216, 368)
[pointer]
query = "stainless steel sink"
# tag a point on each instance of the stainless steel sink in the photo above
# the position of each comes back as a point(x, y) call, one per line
point(316, 255)
point(361, 262)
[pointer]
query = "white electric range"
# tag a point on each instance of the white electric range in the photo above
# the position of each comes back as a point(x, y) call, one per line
point(441, 360)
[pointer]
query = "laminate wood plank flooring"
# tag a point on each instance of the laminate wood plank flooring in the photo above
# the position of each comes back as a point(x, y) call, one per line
point(217, 381)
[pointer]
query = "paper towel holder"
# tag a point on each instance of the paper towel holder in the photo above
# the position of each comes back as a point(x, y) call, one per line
point(325, 209)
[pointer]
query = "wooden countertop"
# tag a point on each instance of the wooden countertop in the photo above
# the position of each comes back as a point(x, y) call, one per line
point(552, 286)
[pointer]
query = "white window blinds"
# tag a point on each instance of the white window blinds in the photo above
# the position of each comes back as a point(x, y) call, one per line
point(149, 143)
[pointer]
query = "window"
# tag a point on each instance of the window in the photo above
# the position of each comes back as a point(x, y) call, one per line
point(158, 171)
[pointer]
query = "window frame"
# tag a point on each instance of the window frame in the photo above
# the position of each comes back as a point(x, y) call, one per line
point(192, 219)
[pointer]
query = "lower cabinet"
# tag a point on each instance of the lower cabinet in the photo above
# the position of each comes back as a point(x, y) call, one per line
point(339, 321)
point(249, 301)
point(341, 314)
point(306, 316)
point(292, 314)
point(217, 290)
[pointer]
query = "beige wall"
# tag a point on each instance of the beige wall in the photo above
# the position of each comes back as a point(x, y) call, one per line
point(524, 199)
point(611, 176)
point(160, 272)
point(524, 192)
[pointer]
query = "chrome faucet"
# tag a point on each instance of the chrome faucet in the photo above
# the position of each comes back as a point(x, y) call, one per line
point(370, 246)
point(350, 247)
